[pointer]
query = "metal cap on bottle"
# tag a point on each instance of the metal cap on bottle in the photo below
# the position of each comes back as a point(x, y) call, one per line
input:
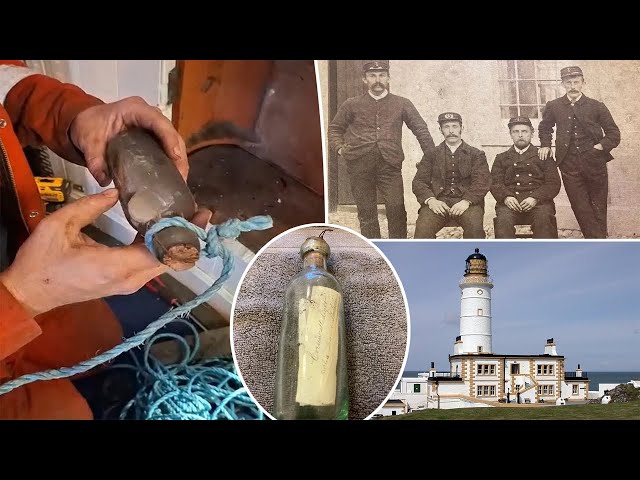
point(315, 244)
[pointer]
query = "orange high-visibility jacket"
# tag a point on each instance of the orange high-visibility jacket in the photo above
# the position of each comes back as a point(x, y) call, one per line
point(38, 110)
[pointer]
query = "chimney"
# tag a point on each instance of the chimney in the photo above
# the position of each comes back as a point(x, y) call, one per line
point(578, 371)
point(432, 370)
point(457, 346)
point(550, 347)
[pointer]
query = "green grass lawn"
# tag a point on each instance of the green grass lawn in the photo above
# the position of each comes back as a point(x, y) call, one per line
point(612, 411)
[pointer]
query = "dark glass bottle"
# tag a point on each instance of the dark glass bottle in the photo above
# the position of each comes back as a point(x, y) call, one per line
point(311, 375)
point(151, 188)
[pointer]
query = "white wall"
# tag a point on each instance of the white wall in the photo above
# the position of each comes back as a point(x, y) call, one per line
point(388, 411)
point(531, 396)
point(407, 383)
point(450, 403)
point(453, 388)
point(112, 80)
point(413, 400)
point(471, 301)
point(606, 386)
point(567, 390)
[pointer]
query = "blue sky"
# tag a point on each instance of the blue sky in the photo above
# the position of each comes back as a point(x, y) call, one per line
point(585, 295)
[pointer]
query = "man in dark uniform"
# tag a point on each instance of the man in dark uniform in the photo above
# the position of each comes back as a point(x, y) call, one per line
point(367, 133)
point(451, 183)
point(585, 135)
point(524, 185)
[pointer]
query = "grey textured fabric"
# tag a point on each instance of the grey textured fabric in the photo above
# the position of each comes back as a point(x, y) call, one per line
point(375, 316)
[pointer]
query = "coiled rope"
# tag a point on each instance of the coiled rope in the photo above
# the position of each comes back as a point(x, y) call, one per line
point(187, 390)
point(208, 390)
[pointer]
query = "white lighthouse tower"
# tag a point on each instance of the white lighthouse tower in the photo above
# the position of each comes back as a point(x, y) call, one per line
point(475, 307)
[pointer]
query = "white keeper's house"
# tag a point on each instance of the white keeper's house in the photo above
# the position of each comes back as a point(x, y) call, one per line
point(478, 376)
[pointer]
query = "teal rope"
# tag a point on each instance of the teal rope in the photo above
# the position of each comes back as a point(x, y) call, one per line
point(188, 390)
point(165, 381)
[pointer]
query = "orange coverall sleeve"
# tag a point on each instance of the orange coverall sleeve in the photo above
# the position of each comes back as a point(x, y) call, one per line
point(17, 327)
point(42, 108)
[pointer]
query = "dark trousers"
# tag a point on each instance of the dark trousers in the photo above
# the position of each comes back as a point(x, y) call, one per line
point(429, 223)
point(585, 179)
point(367, 175)
point(541, 218)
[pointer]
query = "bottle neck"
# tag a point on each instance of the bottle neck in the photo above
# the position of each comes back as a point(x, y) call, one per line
point(315, 260)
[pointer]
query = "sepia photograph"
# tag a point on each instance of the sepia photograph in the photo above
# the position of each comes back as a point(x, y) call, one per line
point(482, 149)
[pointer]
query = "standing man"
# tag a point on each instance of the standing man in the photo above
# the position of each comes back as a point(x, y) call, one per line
point(585, 135)
point(451, 183)
point(524, 185)
point(367, 133)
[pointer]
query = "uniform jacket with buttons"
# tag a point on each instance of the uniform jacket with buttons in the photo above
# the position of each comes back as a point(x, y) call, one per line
point(363, 122)
point(475, 180)
point(34, 110)
point(524, 175)
point(593, 115)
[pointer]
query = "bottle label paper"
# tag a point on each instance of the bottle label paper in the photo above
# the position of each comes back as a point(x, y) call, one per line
point(318, 347)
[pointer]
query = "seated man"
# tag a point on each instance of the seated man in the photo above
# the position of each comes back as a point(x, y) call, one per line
point(451, 183)
point(524, 186)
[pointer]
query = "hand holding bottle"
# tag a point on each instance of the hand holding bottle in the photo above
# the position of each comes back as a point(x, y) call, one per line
point(59, 265)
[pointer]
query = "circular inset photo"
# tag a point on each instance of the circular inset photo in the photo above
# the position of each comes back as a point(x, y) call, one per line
point(320, 325)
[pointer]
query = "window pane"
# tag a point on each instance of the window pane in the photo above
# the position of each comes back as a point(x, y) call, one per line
point(547, 70)
point(507, 93)
point(548, 91)
point(527, 93)
point(531, 111)
point(509, 112)
point(526, 69)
